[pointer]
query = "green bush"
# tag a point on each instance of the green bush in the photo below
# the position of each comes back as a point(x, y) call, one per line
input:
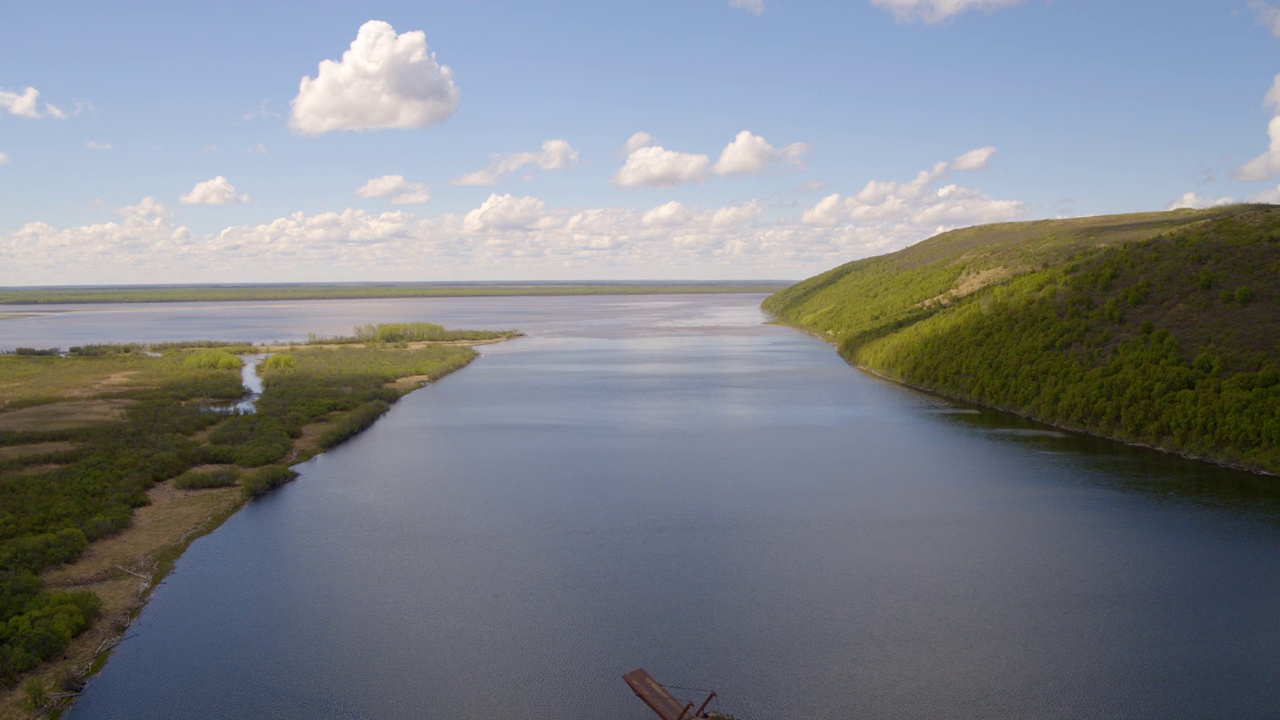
point(254, 439)
point(263, 480)
point(37, 697)
point(388, 333)
point(282, 361)
point(43, 630)
point(192, 480)
point(210, 359)
point(352, 423)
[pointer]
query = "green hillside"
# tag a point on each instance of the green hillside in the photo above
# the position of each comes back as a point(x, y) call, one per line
point(1155, 328)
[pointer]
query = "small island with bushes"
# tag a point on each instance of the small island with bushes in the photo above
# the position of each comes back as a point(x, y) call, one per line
point(114, 458)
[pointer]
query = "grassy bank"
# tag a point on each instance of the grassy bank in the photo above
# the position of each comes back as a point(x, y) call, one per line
point(111, 462)
point(1158, 329)
point(354, 291)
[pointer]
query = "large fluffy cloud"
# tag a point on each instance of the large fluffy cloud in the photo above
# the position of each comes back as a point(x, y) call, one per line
point(218, 191)
point(555, 155)
point(396, 189)
point(933, 11)
point(1266, 165)
point(27, 104)
point(750, 155)
point(651, 164)
point(384, 80)
point(902, 212)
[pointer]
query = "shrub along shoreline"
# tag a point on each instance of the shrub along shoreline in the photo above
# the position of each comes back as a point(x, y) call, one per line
point(89, 439)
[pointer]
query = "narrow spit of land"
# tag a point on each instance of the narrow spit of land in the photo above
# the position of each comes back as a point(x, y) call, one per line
point(114, 458)
point(358, 291)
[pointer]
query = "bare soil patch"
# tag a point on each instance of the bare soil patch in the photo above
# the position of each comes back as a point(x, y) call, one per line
point(970, 283)
point(308, 444)
point(106, 384)
point(412, 382)
point(34, 470)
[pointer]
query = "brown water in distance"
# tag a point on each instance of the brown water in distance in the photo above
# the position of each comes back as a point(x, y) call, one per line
point(668, 483)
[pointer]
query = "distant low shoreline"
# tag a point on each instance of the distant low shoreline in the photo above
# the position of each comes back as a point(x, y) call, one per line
point(360, 291)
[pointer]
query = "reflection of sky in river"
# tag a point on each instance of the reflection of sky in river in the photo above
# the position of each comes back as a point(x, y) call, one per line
point(669, 483)
point(270, 321)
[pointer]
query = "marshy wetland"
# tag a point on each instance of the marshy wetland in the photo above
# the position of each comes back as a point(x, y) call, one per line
point(113, 457)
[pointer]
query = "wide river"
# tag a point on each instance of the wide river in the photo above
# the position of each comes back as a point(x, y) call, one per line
point(667, 482)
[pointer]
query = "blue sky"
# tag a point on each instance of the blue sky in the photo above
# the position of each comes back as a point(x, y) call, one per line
point(690, 139)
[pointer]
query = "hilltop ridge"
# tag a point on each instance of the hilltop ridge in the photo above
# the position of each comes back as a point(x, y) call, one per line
point(1154, 328)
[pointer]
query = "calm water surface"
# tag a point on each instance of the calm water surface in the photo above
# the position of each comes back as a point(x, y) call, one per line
point(668, 483)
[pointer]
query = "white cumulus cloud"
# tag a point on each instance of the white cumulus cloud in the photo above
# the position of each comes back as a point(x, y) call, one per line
point(670, 214)
point(750, 154)
point(555, 155)
point(1266, 165)
point(147, 207)
point(4, 158)
point(657, 166)
point(217, 191)
point(648, 163)
point(384, 80)
point(736, 215)
point(27, 104)
point(395, 189)
point(506, 212)
point(892, 214)
point(934, 11)
point(1270, 195)
point(639, 140)
point(1267, 16)
point(755, 7)
point(1192, 200)
point(974, 159)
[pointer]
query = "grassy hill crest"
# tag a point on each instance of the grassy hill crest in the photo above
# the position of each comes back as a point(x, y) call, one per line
point(1155, 328)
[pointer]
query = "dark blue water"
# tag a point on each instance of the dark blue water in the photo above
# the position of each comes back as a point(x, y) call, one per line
point(668, 483)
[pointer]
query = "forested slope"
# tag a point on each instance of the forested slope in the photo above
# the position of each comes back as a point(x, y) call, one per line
point(1155, 328)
